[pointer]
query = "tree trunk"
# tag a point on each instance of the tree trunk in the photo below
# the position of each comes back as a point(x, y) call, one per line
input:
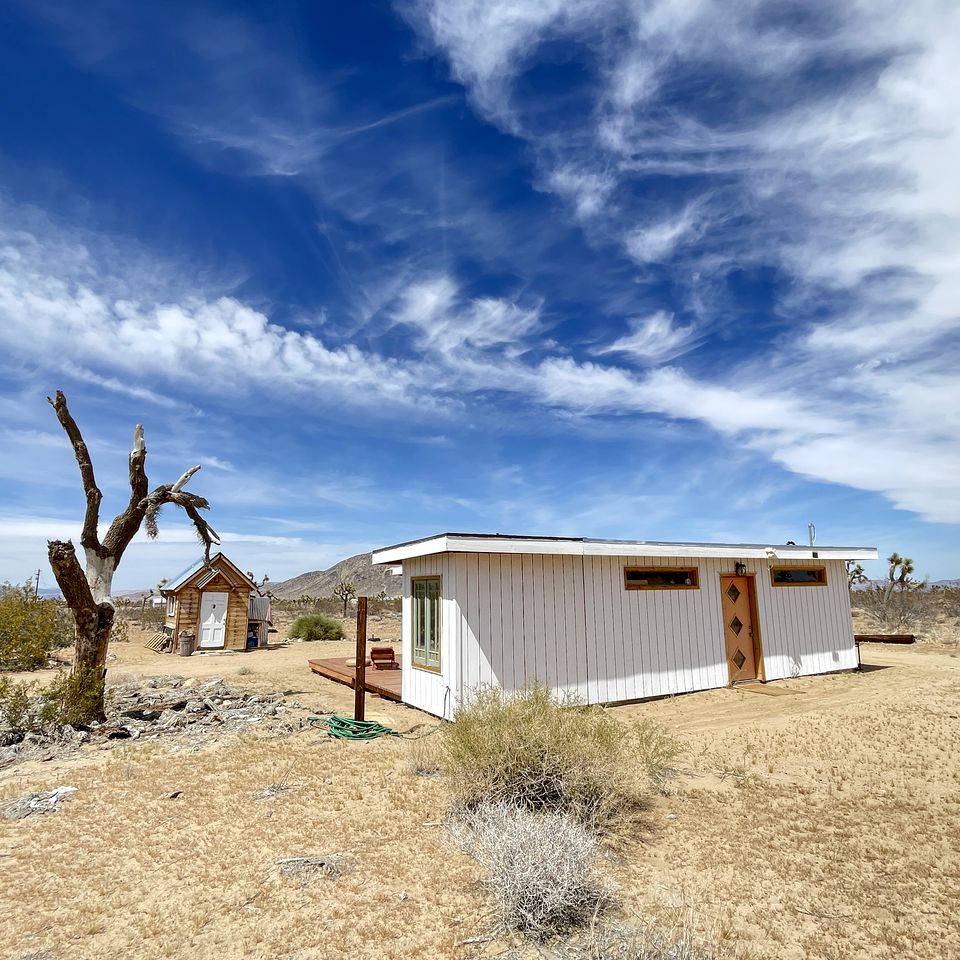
point(93, 622)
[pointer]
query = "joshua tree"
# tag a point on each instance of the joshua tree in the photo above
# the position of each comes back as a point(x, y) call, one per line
point(87, 590)
point(855, 573)
point(344, 591)
point(900, 570)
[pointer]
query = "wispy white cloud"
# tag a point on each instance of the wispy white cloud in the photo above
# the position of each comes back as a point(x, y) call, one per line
point(657, 242)
point(588, 190)
point(446, 321)
point(653, 339)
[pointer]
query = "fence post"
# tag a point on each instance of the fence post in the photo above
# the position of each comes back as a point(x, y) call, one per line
point(361, 676)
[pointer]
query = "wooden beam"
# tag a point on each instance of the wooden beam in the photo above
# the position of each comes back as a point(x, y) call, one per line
point(361, 682)
point(885, 638)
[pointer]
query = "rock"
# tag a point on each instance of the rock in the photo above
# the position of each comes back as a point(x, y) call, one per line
point(37, 803)
point(170, 719)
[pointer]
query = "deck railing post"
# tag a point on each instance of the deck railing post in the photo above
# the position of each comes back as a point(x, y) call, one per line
point(361, 676)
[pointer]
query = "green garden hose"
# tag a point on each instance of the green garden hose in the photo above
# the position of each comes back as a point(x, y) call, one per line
point(346, 728)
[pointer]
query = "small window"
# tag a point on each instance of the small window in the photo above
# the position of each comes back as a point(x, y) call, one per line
point(426, 622)
point(171, 606)
point(798, 576)
point(661, 578)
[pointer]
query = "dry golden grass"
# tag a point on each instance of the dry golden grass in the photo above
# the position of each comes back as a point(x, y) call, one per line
point(820, 824)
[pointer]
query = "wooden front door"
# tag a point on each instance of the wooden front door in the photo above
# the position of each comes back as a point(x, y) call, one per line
point(213, 619)
point(738, 636)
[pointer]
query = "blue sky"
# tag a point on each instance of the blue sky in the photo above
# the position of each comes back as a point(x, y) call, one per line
point(658, 270)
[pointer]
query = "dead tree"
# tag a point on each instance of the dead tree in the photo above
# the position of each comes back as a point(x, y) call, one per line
point(87, 589)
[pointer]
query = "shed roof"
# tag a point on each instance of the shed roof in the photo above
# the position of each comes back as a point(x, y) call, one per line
point(586, 547)
point(216, 563)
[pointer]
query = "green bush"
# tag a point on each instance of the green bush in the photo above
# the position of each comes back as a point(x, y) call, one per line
point(30, 628)
point(553, 755)
point(316, 626)
point(67, 700)
point(15, 705)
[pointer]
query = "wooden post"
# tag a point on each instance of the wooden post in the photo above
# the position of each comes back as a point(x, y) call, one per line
point(361, 680)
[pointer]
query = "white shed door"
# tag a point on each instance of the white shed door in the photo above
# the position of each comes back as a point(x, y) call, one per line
point(213, 619)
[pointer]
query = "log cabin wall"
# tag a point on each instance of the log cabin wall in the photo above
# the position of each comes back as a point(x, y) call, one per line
point(237, 617)
point(188, 611)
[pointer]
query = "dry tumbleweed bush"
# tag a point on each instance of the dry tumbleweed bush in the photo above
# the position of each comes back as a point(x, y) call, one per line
point(540, 866)
point(553, 755)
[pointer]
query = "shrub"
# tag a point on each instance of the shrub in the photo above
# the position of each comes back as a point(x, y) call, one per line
point(67, 700)
point(682, 936)
point(316, 626)
point(423, 757)
point(539, 865)
point(14, 705)
point(120, 632)
point(551, 755)
point(896, 607)
point(30, 628)
point(655, 750)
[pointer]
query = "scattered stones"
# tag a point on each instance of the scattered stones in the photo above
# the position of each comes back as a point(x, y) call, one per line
point(160, 707)
point(32, 804)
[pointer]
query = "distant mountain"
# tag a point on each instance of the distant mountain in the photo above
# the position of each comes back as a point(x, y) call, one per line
point(367, 580)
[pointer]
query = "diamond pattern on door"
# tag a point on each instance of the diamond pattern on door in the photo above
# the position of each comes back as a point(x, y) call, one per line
point(739, 629)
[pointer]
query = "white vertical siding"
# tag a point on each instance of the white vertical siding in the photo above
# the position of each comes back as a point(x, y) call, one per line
point(567, 622)
point(808, 629)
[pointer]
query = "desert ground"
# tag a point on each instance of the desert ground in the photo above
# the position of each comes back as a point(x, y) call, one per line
point(816, 818)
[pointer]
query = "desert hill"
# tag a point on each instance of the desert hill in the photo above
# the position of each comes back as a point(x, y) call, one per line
point(367, 580)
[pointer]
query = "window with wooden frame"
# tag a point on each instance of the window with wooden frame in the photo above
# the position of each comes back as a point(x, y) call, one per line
point(661, 578)
point(426, 622)
point(798, 576)
point(171, 606)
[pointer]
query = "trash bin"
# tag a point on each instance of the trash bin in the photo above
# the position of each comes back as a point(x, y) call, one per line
point(186, 644)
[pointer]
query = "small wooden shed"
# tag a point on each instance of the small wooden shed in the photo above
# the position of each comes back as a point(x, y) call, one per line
point(612, 621)
point(211, 601)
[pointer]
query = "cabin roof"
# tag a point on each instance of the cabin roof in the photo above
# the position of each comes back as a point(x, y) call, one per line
point(216, 563)
point(586, 547)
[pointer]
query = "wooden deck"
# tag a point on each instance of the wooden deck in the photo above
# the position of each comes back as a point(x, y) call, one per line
point(386, 683)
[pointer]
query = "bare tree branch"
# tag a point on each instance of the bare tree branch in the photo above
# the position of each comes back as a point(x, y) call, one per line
point(205, 532)
point(70, 576)
point(125, 525)
point(182, 482)
point(89, 538)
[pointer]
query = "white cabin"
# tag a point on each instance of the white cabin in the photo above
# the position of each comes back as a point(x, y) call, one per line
point(613, 621)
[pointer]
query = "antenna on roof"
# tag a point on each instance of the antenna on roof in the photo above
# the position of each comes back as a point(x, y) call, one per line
point(812, 533)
